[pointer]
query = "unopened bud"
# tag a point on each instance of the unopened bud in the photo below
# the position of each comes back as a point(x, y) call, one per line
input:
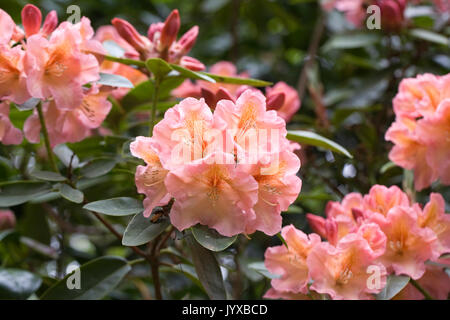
point(7, 220)
point(170, 30)
point(31, 19)
point(50, 23)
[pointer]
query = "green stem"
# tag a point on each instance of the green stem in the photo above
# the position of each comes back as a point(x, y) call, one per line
point(46, 138)
point(154, 105)
point(126, 61)
point(421, 289)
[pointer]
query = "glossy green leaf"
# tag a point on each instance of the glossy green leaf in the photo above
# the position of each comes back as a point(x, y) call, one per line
point(430, 36)
point(211, 239)
point(98, 167)
point(114, 80)
point(18, 192)
point(141, 230)
point(71, 194)
point(192, 74)
point(158, 67)
point(237, 80)
point(208, 270)
point(394, 285)
point(314, 139)
point(48, 176)
point(261, 269)
point(17, 284)
point(67, 156)
point(116, 206)
point(350, 41)
point(98, 278)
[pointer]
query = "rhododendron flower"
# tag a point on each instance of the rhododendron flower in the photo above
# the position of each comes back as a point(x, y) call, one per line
point(7, 26)
point(381, 199)
point(57, 68)
point(408, 245)
point(13, 85)
point(150, 178)
point(290, 103)
point(7, 220)
point(161, 41)
point(421, 128)
point(290, 263)
point(8, 133)
point(342, 271)
point(70, 125)
point(220, 196)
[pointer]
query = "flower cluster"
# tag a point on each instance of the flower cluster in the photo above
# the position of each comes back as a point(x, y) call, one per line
point(230, 170)
point(421, 130)
point(367, 237)
point(161, 41)
point(52, 63)
point(281, 97)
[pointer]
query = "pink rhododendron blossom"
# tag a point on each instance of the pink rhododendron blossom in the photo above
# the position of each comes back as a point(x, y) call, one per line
point(13, 85)
point(290, 263)
point(7, 26)
point(420, 132)
point(71, 125)
point(8, 133)
point(161, 41)
point(342, 271)
point(220, 196)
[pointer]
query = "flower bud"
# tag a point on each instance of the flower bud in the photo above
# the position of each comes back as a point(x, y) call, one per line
point(170, 30)
point(331, 228)
point(187, 41)
point(317, 223)
point(130, 34)
point(31, 19)
point(50, 23)
point(209, 97)
point(224, 94)
point(7, 219)
point(275, 101)
point(191, 64)
point(392, 14)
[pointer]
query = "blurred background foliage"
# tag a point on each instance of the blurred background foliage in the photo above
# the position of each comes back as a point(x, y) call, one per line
point(348, 89)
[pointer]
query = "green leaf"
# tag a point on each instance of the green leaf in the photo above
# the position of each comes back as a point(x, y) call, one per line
point(67, 156)
point(71, 194)
point(237, 80)
point(211, 239)
point(192, 74)
point(98, 167)
point(114, 80)
point(141, 230)
point(186, 270)
point(113, 48)
point(142, 93)
point(17, 284)
point(158, 67)
point(394, 285)
point(430, 36)
point(387, 166)
point(116, 206)
point(47, 176)
point(18, 192)
point(208, 270)
point(30, 104)
point(317, 140)
point(261, 269)
point(98, 278)
point(350, 41)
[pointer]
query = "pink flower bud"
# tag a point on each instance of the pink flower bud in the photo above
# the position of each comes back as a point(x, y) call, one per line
point(7, 219)
point(170, 30)
point(50, 23)
point(224, 94)
point(130, 34)
point(31, 19)
point(392, 13)
point(191, 64)
point(154, 31)
point(187, 41)
point(275, 101)
point(209, 97)
point(331, 228)
point(317, 223)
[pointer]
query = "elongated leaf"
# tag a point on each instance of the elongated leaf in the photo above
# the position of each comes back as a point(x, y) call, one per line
point(192, 74)
point(114, 80)
point(211, 239)
point(98, 167)
point(158, 67)
point(17, 192)
point(208, 270)
point(141, 230)
point(48, 176)
point(113, 48)
point(430, 36)
point(116, 206)
point(67, 156)
point(394, 285)
point(261, 269)
point(237, 80)
point(17, 284)
point(350, 41)
point(317, 140)
point(71, 194)
point(98, 278)
point(186, 270)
